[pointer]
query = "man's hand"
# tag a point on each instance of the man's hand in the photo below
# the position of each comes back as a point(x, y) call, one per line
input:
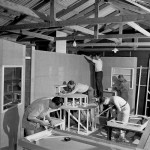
point(44, 123)
point(51, 125)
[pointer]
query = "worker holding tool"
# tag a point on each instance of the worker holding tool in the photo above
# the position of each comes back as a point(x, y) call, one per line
point(122, 108)
point(33, 119)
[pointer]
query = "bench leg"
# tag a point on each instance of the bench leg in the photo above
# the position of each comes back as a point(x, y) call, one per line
point(109, 133)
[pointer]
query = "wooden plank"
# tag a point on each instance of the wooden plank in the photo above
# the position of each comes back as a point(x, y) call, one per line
point(110, 15)
point(138, 5)
point(96, 27)
point(124, 36)
point(102, 49)
point(40, 16)
point(97, 142)
point(126, 6)
point(33, 34)
point(147, 145)
point(19, 8)
point(113, 44)
point(145, 137)
point(71, 8)
point(138, 28)
point(100, 20)
point(52, 13)
point(89, 11)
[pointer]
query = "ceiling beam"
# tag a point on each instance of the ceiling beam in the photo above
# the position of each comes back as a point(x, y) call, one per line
point(96, 27)
point(52, 13)
point(114, 13)
point(106, 36)
point(33, 34)
point(70, 8)
point(19, 8)
point(138, 5)
point(138, 28)
point(100, 20)
point(36, 14)
point(127, 44)
point(110, 49)
point(126, 6)
point(88, 11)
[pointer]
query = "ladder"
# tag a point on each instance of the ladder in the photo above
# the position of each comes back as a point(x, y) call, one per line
point(143, 81)
point(147, 103)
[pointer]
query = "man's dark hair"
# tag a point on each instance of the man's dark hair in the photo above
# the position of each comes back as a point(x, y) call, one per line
point(71, 82)
point(57, 101)
point(101, 101)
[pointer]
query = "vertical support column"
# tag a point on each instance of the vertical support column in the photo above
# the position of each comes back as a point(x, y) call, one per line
point(73, 102)
point(52, 13)
point(120, 31)
point(79, 118)
point(87, 125)
point(68, 119)
point(96, 27)
point(60, 45)
point(80, 101)
point(138, 93)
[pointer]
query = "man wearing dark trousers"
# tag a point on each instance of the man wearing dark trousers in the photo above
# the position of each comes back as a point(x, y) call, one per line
point(98, 74)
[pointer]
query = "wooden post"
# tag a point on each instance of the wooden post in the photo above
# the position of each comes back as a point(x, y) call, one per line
point(52, 13)
point(137, 103)
point(145, 139)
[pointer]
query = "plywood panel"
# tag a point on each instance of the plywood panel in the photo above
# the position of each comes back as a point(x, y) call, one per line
point(51, 69)
point(12, 53)
point(11, 119)
point(124, 62)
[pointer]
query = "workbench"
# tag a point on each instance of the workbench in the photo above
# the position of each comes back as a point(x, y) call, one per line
point(133, 127)
point(81, 128)
point(79, 103)
point(55, 140)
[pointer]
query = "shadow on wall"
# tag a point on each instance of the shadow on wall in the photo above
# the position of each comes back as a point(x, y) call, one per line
point(10, 126)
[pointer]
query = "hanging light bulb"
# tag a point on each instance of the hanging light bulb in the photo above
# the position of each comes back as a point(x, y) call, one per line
point(115, 50)
point(74, 43)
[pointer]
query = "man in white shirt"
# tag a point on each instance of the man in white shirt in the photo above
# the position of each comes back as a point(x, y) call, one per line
point(84, 89)
point(122, 108)
point(98, 73)
point(81, 88)
point(34, 114)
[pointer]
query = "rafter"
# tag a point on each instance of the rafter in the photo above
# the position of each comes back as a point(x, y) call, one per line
point(100, 20)
point(88, 11)
point(108, 49)
point(118, 4)
point(52, 13)
point(71, 8)
point(107, 36)
point(138, 28)
point(96, 27)
point(114, 13)
point(33, 34)
point(16, 7)
point(38, 15)
point(138, 5)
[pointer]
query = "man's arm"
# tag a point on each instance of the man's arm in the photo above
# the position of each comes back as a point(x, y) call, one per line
point(89, 58)
point(33, 116)
point(49, 119)
point(74, 91)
